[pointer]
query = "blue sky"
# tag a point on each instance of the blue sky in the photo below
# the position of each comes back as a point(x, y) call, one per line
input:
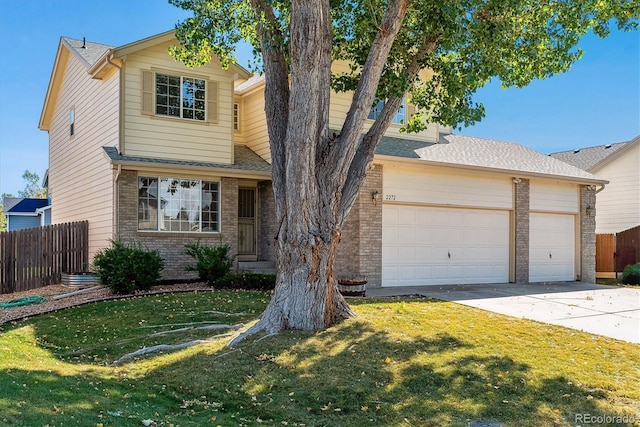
point(596, 102)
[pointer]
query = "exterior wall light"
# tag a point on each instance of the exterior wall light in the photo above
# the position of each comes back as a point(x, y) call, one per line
point(375, 196)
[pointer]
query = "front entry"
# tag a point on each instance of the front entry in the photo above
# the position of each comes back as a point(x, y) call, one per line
point(247, 224)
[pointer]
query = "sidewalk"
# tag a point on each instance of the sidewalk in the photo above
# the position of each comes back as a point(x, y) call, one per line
point(609, 311)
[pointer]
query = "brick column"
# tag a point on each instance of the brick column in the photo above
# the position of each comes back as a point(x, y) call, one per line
point(267, 226)
point(588, 234)
point(521, 189)
point(360, 248)
point(370, 213)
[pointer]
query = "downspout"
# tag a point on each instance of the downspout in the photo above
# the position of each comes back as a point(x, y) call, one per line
point(116, 193)
point(116, 203)
point(110, 62)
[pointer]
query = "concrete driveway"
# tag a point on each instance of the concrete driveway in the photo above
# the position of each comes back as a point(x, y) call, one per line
point(603, 310)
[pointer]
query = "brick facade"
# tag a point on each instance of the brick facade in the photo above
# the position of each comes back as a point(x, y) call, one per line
point(521, 191)
point(171, 245)
point(587, 234)
point(360, 248)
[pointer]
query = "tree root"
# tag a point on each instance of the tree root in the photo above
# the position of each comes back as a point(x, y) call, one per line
point(273, 322)
point(205, 328)
point(164, 348)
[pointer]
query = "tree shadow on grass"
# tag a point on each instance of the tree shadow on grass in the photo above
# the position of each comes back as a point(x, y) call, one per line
point(350, 375)
point(354, 375)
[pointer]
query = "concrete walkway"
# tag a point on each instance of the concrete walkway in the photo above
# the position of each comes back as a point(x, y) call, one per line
point(603, 310)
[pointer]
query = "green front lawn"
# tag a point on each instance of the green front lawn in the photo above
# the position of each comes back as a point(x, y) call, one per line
point(401, 362)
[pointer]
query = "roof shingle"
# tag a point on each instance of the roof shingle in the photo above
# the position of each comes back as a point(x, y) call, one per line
point(23, 205)
point(587, 158)
point(245, 160)
point(90, 53)
point(483, 153)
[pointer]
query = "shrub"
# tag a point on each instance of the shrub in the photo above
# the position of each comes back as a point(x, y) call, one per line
point(631, 274)
point(127, 269)
point(212, 262)
point(249, 281)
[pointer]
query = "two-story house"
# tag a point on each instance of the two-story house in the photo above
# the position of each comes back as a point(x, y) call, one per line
point(151, 151)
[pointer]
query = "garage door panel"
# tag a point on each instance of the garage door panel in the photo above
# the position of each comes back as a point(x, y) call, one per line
point(407, 235)
point(551, 247)
point(444, 246)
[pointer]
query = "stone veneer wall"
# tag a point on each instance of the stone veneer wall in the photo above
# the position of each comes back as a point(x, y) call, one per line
point(171, 245)
point(360, 248)
point(522, 230)
point(587, 234)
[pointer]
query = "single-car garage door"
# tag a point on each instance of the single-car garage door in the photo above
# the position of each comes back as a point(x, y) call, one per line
point(435, 246)
point(551, 247)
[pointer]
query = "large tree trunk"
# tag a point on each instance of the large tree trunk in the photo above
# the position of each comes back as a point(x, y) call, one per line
point(316, 176)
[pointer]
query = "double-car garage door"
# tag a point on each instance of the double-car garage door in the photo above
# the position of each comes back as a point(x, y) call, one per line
point(434, 245)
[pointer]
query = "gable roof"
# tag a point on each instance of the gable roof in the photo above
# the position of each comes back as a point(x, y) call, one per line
point(18, 205)
point(98, 59)
point(485, 154)
point(591, 158)
point(88, 52)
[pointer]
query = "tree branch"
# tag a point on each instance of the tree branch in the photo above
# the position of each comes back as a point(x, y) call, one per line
point(366, 150)
point(276, 88)
point(372, 71)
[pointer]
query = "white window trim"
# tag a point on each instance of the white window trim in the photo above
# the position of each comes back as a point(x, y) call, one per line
point(200, 232)
point(181, 107)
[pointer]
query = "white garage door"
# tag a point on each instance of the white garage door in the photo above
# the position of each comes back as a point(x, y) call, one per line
point(435, 246)
point(551, 247)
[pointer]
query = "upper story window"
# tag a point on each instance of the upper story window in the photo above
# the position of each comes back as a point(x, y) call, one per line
point(178, 96)
point(236, 117)
point(183, 97)
point(178, 205)
point(398, 119)
point(72, 121)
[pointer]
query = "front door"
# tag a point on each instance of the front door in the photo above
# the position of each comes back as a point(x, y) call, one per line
point(247, 223)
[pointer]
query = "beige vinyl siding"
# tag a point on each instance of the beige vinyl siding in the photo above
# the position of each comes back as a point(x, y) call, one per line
point(550, 196)
point(253, 124)
point(618, 205)
point(175, 138)
point(253, 127)
point(440, 187)
point(80, 176)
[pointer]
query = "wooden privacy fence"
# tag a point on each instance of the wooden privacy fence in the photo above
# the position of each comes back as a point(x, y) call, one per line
point(605, 250)
point(36, 257)
point(627, 248)
point(615, 251)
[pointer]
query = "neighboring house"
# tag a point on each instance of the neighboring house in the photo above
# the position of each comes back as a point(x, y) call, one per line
point(26, 212)
point(617, 206)
point(151, 151)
